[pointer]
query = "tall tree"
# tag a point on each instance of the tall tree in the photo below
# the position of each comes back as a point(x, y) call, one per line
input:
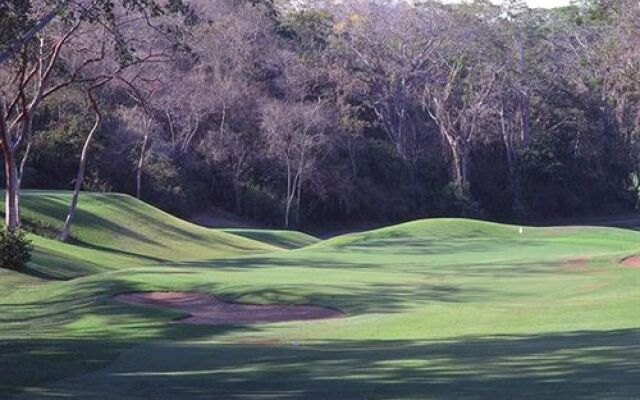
point(462, 81)
point(295, 133)
point(30, 75)
point(29, 81)
point(92, 69)
point(388, 47)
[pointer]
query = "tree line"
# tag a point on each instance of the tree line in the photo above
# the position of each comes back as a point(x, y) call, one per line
point(316, 112)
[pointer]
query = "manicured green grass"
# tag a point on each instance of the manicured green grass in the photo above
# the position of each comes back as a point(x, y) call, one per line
point(284, 239)
point(114, 231)
point(123, 225)
point(436, 309)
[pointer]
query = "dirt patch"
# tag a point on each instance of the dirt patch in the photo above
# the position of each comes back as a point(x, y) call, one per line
point(578, 264)
point(578, 261)
point(206, 309)
point(633, 261)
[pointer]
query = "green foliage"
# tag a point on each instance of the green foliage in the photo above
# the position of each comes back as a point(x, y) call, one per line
point(57, 144)
point(310, 29)
point(458, 200)
point(162, 181)
point(14, 19)
point(15, 249)
point(41, 228)
point(260, 204)
point(94, 183)
point(558, 180)
point(549, 174)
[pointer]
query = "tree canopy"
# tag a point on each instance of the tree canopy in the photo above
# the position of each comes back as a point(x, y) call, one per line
point(315, 113)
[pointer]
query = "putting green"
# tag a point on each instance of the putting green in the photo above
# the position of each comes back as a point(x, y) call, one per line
point(436, 309)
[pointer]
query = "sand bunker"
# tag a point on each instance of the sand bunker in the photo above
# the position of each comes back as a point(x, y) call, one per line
point(633, 261)
point(209, 310)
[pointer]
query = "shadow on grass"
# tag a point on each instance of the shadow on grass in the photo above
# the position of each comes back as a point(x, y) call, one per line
point(356, 300)
point(112, 250)
point(60, 305)
point(575, 365)
point(56, 208)
point(85, 329)
point(467, 267)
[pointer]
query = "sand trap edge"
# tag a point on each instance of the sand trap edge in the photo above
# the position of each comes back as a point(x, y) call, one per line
point(631, 261)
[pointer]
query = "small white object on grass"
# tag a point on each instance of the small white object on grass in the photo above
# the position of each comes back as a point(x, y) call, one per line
point(520, 230)
point(295, 343)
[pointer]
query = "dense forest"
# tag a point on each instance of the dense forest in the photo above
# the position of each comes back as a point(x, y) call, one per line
point(308, 113)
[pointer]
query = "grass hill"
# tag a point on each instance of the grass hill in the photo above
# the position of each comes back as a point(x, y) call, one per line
point(113, 231)
point(121, 223)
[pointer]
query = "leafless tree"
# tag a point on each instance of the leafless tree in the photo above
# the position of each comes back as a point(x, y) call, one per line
point(94, 59)
point(27, 82)
point(390, 45)
point(516, 49)
point(458, 93)
point(33, 76)
point(295, 133)
point(211, 112)
point(141, 83)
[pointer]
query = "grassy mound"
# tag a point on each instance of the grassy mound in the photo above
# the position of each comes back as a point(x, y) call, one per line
point(284, 239)
point(113, 231)
point(121, 223)
point(443, 229)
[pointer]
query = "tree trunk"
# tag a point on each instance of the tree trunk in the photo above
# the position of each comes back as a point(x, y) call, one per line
point(173, 134)
point(509, 141)
point(457, 145)
point(23, 164)
point(11, 212)
point(11, 208)
point(351, 148)
point(289, 198)
point(525, 129)
point(523, 99)
point(298, 199)
point(460, 163)
point(143, 152)
point(66, 229)
point(236, 191)
point(286, 212)
point(20, 175)
point(524, 121)
point(516, 182)
point(13, 172)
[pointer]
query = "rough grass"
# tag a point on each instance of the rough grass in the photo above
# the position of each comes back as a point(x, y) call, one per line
point(437, 309)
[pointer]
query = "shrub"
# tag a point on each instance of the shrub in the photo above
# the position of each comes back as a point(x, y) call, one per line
point(40, 228)
point(15, 249)
point(458, 200)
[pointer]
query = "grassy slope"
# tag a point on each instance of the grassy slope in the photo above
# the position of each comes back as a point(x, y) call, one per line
point(122, 224)
point(437, 309)
point(284, 239)
point(117, 231)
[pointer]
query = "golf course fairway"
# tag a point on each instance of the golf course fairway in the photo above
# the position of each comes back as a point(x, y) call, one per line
point(431, 309)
